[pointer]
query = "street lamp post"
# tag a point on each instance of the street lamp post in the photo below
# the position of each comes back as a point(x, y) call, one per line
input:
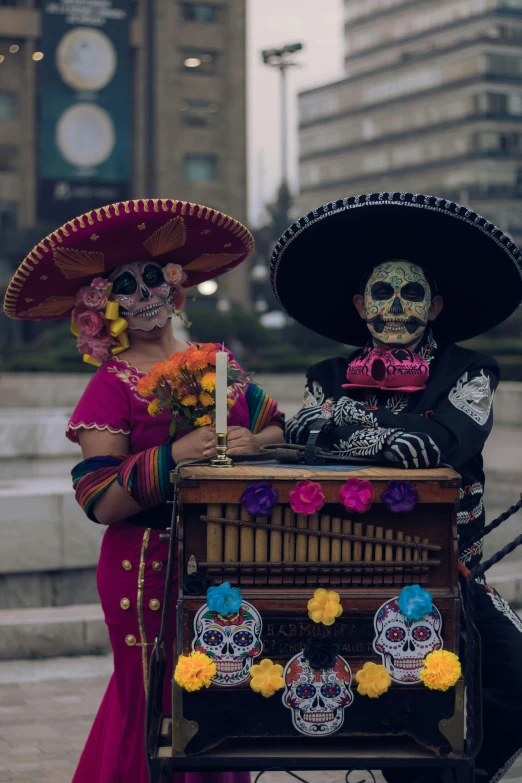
point(282, 60)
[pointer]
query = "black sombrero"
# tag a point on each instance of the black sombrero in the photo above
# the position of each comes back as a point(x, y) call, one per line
point(319, 262)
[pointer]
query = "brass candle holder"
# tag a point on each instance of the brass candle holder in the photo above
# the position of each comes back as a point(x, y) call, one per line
point(221, 460)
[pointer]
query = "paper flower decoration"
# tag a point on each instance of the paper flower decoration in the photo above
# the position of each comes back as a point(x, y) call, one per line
point(373, 680)
point(224, 599)
point(325, 606)
point(259, 498)
point(194, 671)
point(266, 677)
point(415, 602)
point(441, 670)
point(400, 496)
point(196, 583)
point(307, 497)
point(321, 652)
point(356, 495)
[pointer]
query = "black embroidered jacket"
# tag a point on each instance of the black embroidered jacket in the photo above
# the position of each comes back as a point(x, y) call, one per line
point(448, 422)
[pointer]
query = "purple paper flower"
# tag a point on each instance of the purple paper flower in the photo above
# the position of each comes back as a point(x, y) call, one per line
point(400, 496)
point(259, 498)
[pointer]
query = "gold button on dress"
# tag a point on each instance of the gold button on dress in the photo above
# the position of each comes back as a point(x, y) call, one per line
point(157, 565)
point(125, 603)
point(127, 565)
point(130, 640)
point(154, 604)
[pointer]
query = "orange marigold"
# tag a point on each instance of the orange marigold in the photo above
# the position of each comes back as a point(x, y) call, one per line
point(146, 386)
point(206, 399)
point(208, 382)
point(203, 421)
point(190, 400)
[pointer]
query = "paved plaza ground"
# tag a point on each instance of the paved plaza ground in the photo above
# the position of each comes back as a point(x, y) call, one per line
point(46, 710)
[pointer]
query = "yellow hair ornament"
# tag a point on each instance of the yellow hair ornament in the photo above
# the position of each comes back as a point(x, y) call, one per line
point(117, 327)
point(88, 359)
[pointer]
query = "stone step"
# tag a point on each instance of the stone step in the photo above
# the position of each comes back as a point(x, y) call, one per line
point(43, 529)
point(53, 631)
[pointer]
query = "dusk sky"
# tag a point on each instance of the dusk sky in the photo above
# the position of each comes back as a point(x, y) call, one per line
point(272, 23)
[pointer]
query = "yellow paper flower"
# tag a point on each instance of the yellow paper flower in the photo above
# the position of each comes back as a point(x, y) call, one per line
point(267, 677)
point(373, 680)
point(154, 407)
point(190, 400)
point(441, 670)
point(194, 671)
point(203, 421)
point(208, 382)
point(325, 606)
point(206, 399)
point(230, 402)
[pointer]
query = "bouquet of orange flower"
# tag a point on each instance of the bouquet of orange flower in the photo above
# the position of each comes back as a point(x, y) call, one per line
point(186, 386)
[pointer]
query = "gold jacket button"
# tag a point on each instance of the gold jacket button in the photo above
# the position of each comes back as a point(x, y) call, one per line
point(130, 640)
point(125, 603)
point(157, 565)
point(127, 565)
point(154, 604)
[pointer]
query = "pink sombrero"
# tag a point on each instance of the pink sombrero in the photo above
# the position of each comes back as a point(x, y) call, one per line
point(204, 241)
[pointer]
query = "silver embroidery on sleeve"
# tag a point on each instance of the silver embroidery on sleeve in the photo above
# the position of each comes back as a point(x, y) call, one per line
point(473, 397)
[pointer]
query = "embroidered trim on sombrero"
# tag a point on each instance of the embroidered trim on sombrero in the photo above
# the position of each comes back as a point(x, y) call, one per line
point(417, 200)
point(160, 242)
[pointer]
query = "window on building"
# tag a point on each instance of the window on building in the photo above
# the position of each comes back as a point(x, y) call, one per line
point(8, 157)
point(7, 214)
point(199, 114)
point(200, 12)
point(200, 168)
point(197, 61)
point(504, 65)
point(8, 105)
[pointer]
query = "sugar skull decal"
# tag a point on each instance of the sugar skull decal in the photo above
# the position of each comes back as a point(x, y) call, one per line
point(317, 698)
point(231, 642)
point(402, 643)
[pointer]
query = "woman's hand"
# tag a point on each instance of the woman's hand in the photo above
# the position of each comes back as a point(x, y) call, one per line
point(242, 441)
point(198, 443)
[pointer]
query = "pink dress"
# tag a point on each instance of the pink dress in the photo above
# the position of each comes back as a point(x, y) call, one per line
point(115, 752)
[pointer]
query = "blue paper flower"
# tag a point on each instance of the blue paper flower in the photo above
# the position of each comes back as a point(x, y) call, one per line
point(415, 602)
point(224, 599)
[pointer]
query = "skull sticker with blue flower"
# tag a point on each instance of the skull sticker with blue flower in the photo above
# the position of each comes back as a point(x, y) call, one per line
point(232, 641)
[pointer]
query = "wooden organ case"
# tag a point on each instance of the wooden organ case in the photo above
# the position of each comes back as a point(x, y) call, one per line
point(278, 561)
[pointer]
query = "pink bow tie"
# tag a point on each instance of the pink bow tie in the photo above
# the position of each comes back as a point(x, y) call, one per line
point(397, 369)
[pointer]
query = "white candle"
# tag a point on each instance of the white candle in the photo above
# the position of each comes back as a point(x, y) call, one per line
point(221, 391)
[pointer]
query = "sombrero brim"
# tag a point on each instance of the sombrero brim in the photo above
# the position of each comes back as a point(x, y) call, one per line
point(205, 242)
point(319, 262)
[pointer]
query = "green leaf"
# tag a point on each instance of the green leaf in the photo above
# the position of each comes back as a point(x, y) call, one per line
point(173, 428)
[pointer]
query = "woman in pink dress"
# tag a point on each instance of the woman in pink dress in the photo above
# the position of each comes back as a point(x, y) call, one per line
point(121, 272)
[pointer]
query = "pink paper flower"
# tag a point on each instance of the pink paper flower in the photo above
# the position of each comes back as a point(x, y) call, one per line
point(174, 274)
point(100, 282)
point(91, 297)
point(307, 497)
point(98, 347)
point(356, 495)
point(90, 322)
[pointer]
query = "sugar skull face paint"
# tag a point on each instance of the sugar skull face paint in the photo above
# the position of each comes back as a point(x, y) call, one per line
point(397, 300)
point(144, 296)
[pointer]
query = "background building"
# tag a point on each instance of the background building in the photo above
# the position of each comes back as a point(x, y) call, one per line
point(187, 97)
point(431, 102)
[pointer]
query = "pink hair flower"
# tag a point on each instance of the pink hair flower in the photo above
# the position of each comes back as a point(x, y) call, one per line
point(92, 297)
point(356, 495)
point(100, 283)
point(307, 497)
point(174, 274)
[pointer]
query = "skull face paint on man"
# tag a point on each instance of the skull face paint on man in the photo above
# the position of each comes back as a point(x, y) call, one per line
point(144, 296)
point(397, 301)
